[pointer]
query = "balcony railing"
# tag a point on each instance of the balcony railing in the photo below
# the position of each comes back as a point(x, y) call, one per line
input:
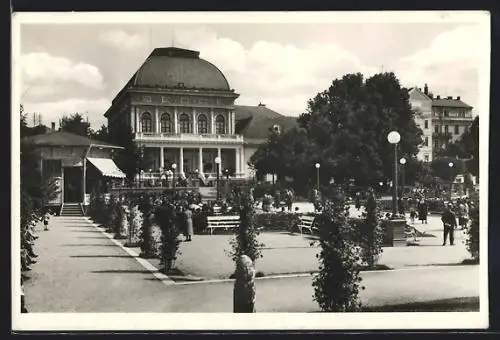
point(187, 137)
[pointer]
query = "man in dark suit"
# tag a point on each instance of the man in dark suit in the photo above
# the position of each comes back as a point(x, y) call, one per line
point(450, 222)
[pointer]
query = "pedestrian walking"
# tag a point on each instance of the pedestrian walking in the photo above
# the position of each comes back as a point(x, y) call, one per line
point(422, 211)
point(449, 223)
point(463, 214)
point(46, 218)
point(189, 223)
point(289, 199)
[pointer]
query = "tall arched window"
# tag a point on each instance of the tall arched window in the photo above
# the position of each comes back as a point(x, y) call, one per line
point(184, 123)
point(165, 123)
point(220, 125)
point(146, 122)
point(202, 124)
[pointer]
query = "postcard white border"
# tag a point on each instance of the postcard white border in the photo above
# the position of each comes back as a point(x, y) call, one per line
point(258, 321)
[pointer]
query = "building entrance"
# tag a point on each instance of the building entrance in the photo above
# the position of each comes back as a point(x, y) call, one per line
point(73, 184)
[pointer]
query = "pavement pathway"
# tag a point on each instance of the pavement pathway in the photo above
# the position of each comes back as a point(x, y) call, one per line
point(81, 270)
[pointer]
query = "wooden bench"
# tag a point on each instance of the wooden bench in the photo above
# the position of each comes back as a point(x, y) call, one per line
point(306, 222)
point(226, 222)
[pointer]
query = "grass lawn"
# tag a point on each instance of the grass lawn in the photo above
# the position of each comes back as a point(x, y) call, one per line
point(464, 304)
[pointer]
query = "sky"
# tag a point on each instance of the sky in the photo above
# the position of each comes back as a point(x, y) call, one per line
point(80, 67)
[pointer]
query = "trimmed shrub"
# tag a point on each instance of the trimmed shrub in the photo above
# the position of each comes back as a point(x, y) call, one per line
point(472, 232)
point(336, 287)
point(371, 233)
point(245, 240)
point(122, 222)
point(165, 216)
point(146, 241)
point(135, 223)
point(111, 219)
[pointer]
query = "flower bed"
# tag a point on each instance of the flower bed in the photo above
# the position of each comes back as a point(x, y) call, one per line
point(277, 221)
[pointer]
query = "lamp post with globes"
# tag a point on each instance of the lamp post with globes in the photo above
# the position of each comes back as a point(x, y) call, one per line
point(402, 161)
point(174, 166)
point(450, 165)
point(317, 165)
point(217, 162)
point(394, 137)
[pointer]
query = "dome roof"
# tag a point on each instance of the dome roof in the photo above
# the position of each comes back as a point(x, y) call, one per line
point(176, 67)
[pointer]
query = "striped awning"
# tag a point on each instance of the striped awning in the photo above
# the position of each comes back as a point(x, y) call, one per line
point(107, 167)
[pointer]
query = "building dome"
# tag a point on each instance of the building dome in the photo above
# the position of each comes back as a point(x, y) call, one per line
point(179, 68)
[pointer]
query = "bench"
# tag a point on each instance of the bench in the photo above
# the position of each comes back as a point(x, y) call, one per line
point(306, 222)
point(226, 222)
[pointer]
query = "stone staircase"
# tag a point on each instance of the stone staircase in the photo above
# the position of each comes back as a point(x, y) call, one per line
point(71, 209)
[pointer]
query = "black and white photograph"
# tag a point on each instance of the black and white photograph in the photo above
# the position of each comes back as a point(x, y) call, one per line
point(250, 170)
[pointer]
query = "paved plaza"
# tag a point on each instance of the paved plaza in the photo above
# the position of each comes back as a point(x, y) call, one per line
point(81, 270)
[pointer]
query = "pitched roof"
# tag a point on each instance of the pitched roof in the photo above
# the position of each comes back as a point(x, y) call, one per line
point(445, 102)
point(420, 92)
point(63, 138)
point(254, 122)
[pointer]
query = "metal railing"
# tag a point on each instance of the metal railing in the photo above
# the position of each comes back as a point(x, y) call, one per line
point(187, 136)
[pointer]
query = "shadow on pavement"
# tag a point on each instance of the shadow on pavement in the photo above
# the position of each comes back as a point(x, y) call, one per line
point(86, 231)
point(93, 237)
point(123, 271)
point(89, 245)
point(101, 256)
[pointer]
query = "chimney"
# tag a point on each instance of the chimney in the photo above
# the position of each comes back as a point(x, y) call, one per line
point(438, 97)
point(53, 126)
point(458, 97)
point(426, 89)
point(450, 97)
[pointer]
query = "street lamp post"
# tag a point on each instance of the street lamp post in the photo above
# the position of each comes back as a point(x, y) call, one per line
point(451, 177)
point(217, 162)
point(317, 165)
point(174, 166)
point(402, 161)
point(394, 137)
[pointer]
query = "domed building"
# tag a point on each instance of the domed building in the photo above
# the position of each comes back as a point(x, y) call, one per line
point(182, 110)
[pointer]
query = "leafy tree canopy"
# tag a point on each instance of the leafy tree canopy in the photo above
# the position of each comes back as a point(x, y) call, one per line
point(467, 147)
point(75, 124)
point(345, 130)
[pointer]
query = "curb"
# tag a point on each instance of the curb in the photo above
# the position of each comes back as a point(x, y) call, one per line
point(143, 262)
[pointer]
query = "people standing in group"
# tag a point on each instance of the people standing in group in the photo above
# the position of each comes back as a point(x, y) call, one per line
point(449, 224)
point(422, 211)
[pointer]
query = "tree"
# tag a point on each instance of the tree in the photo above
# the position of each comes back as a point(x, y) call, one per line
point(25, 130)
point(75, 124)
point(101, 135)
point(130, 159)
point(345, 129)
point(440, 168)
point(336, 287)
point(467, 147)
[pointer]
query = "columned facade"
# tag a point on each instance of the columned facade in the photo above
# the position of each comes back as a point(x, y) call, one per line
point(181, 110)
